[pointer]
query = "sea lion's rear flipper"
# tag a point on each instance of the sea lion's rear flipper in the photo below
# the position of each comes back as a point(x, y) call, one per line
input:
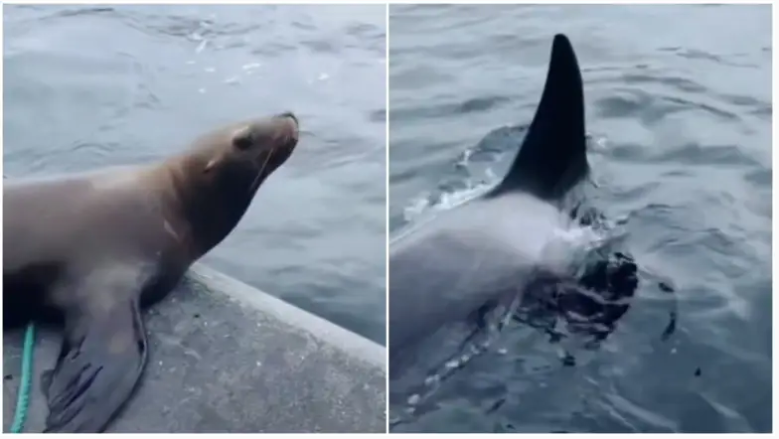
point(102, 357)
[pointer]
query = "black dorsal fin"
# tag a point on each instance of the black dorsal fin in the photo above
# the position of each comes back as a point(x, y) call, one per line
point(553, 156)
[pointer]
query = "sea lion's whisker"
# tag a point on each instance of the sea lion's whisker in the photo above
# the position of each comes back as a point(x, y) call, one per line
point(262, 169)
point(305, 132)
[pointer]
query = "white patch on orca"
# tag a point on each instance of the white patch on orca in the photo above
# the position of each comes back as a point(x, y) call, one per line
point(426, 204)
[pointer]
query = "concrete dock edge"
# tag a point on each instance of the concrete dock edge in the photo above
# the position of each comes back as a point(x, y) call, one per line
point(226, 357)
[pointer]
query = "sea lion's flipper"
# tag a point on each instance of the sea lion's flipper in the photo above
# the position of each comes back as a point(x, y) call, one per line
point(553, 156)
point(100, 362)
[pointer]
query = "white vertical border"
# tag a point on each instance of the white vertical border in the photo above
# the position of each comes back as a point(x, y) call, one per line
point(774, 306)
point(386, 211)
point(2, 136)
point(2, 163)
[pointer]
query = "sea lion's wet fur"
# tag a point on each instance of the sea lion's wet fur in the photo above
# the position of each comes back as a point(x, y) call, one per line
point(90, 250)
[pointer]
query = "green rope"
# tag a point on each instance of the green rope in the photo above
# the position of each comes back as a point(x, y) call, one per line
point(23, 397)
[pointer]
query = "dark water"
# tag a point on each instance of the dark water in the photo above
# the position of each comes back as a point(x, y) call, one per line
point(679, 111)
point(91, 86)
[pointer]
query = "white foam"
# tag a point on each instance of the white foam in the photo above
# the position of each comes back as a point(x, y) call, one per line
point(425, 203)
point(251, 66)
point(201, 46)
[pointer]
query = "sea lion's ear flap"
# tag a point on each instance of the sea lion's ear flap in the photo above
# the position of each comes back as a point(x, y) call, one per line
point(244, 138)
point(211, 163)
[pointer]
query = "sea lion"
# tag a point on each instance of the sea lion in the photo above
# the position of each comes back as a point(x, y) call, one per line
point(91, 250)
point(489, 249)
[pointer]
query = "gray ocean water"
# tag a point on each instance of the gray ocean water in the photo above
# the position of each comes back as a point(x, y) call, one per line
point(679, 112)
point(89, 86)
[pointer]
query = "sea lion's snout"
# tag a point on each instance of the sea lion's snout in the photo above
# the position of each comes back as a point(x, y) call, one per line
point(275, 134)
point(289, 129)
point(269, 142)
point(288, 114)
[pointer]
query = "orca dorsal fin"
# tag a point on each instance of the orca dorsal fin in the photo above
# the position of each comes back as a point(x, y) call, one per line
point(553, 156)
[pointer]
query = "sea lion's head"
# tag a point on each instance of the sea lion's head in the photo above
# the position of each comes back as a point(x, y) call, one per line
point(217, 179)
point(244, 154)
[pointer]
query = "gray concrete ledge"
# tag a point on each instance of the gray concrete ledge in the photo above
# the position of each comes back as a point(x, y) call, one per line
point(225, 357)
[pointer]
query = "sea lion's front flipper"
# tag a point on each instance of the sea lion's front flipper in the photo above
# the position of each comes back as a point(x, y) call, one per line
point(102, 357)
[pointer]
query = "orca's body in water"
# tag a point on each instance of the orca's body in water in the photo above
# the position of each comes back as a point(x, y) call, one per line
point(493, 248)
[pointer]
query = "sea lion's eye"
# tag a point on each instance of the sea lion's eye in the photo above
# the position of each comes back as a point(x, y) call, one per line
point(244, 140)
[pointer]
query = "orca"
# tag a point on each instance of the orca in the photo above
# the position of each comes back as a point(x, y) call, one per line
point(491, 248)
